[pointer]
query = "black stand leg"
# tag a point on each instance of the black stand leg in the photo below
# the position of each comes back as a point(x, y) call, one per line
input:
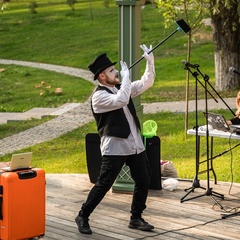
point(211, 162)
point(213, 194)
point(196, 184)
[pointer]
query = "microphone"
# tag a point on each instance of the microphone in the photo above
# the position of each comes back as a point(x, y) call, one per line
point(232, 69)
point(187, 64)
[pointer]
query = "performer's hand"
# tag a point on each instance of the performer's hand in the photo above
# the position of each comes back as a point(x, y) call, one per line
point(124, 71)
point(149, 57)
point(238, 113)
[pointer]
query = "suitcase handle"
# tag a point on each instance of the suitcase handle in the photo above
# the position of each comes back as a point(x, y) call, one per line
point(1, 201)
point(27, 174)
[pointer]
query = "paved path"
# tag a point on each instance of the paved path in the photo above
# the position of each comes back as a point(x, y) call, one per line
point(87, 75)
point(73, 116)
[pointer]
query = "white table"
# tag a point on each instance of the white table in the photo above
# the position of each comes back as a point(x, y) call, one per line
point(212, 134)
point(208, 190)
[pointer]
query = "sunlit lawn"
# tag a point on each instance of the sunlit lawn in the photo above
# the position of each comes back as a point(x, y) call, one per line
point(60, 36)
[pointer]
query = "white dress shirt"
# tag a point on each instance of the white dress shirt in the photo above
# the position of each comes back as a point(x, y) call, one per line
point(102, 101)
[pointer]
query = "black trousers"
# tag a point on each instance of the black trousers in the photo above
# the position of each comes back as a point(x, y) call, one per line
point(110, 169)
point(235, 120)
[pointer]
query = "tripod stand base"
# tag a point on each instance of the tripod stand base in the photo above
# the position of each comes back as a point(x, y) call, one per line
point(196, 184)
point(208, 192)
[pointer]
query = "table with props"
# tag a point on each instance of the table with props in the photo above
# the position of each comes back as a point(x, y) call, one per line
point(212, 134)
point(201, 132)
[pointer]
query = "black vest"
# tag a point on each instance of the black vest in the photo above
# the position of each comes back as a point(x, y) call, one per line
point(114, 123)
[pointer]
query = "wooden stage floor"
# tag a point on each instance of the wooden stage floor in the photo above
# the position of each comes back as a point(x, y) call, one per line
point(199, 218)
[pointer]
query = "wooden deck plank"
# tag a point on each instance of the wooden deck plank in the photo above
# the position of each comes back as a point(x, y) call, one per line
point(193, 219)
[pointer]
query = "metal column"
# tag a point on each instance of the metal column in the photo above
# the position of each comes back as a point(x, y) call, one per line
point(129, 52)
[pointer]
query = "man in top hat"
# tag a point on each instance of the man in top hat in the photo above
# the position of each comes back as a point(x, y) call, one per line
point(121, 141)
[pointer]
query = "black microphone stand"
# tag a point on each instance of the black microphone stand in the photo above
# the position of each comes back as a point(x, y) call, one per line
point(209, 191)
point(224, 216)
point(196, 184)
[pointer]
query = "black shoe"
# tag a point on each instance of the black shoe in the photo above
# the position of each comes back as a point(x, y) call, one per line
point(140, 224)
point(83, 226)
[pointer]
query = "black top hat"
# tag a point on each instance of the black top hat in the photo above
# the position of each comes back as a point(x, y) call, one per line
point(100, 64)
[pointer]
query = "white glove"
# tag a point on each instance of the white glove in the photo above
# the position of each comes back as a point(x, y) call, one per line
point(124, 71)
point(149, 57)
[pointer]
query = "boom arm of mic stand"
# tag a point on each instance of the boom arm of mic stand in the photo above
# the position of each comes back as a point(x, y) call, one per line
point(220, 154)
point(206, 78)
point(194, 75)
point(155, 47)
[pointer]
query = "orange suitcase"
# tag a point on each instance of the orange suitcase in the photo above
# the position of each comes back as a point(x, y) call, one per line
point(22, 204)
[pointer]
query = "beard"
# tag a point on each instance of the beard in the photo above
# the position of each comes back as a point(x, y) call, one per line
point(114, 81)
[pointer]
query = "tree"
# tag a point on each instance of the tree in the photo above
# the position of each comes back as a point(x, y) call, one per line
point(71, 4)
point(225, 16)
point(174, 9)
point(226, 37)
point(226, 31)
point(32, 6)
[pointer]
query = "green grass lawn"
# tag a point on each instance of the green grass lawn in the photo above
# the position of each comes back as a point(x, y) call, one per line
point(23, 88)
point(58, 35)
point(66, 154)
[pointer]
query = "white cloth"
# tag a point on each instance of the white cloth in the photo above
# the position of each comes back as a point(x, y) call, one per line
point(102, 101)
